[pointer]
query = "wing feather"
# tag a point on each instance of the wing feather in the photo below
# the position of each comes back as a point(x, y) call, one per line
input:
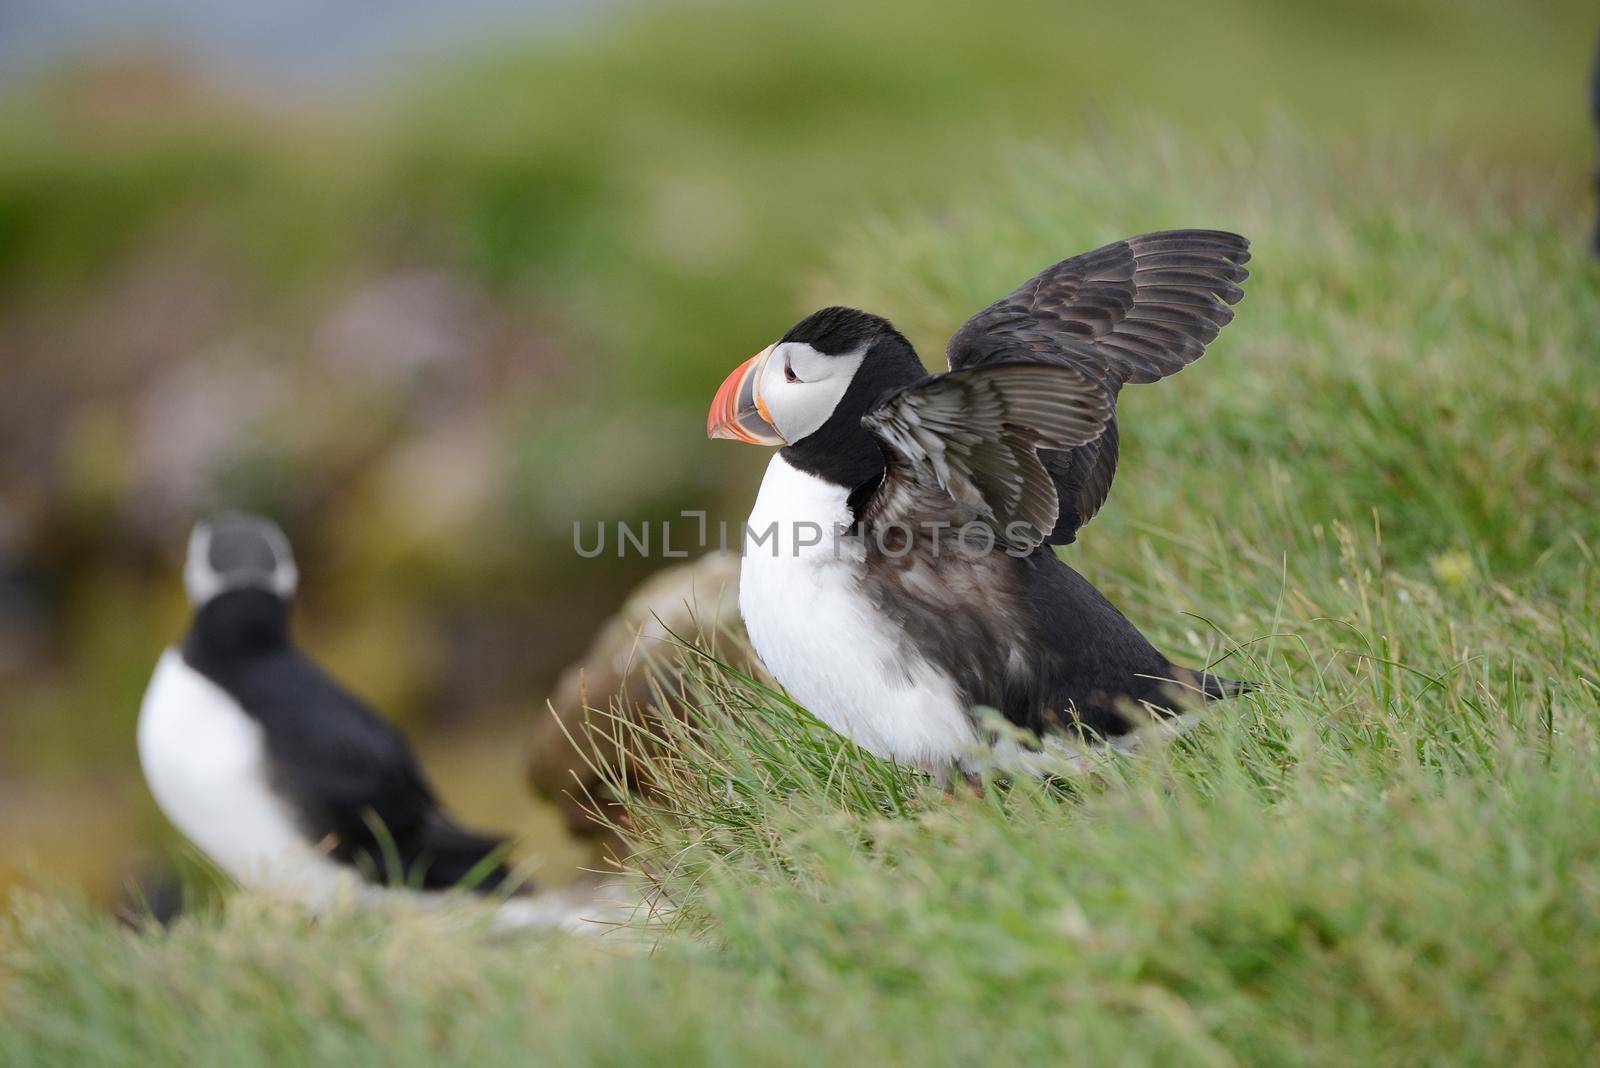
point(973, 436)
point(1136, 311)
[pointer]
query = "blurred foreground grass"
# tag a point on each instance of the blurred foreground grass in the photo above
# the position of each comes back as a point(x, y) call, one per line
point(431, 331)
point(1375, 497)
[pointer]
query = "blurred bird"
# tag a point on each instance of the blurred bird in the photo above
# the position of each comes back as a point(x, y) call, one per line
point(898, 570)
point(288, 782)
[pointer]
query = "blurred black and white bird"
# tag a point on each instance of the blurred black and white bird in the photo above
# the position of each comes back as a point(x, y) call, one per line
point(941, 593)
point(283, 778)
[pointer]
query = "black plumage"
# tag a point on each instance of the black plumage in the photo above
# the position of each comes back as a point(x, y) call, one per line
point(975, 435)
point(1133, 311)
point(350, 778)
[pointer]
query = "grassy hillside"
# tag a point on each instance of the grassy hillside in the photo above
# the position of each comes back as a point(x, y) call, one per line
point(1375, 496)
point(430, 329)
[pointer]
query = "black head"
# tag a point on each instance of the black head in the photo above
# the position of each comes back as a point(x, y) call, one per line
point(809, 390)
point(839, 331)
point(237, 551)
point(240, 576)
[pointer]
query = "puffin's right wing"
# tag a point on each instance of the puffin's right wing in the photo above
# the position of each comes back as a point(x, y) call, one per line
point(1134, 311)
point(972, 436)
point(347, 764)
point(357, 782)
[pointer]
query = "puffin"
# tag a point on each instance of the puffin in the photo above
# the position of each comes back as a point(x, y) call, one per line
point(899, 574)
point(287, 781)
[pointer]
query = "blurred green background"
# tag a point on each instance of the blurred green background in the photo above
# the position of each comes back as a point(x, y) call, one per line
point(431, 311)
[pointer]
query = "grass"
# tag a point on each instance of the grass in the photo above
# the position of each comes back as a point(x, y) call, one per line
point(1375, 496)
point(636, 202)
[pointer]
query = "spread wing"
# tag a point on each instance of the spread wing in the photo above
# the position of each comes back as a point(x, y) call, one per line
point(1134, 311)
point(973, 436)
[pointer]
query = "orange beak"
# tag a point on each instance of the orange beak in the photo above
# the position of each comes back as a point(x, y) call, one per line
point(737, 412)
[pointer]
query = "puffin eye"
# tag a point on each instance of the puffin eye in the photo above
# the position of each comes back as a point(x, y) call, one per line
point(788, 372)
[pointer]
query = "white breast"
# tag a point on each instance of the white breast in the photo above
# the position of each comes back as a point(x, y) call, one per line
point(800, 595)
point(206, 762)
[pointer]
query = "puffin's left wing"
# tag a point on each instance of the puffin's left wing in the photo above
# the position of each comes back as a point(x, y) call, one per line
point(1133, 311)
point(973, 436)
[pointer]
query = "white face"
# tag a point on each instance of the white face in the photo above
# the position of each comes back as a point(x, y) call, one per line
point(253, 554)
point(800, 387)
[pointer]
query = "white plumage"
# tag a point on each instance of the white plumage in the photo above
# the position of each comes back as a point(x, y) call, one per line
point(837, 654)
point(206, 762)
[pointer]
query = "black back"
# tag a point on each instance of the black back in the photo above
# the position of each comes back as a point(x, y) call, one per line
point(350, 777)
point(1032, 638)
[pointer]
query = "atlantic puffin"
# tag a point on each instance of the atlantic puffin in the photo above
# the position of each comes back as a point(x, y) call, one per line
point(287, 781)
point(899, 573)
